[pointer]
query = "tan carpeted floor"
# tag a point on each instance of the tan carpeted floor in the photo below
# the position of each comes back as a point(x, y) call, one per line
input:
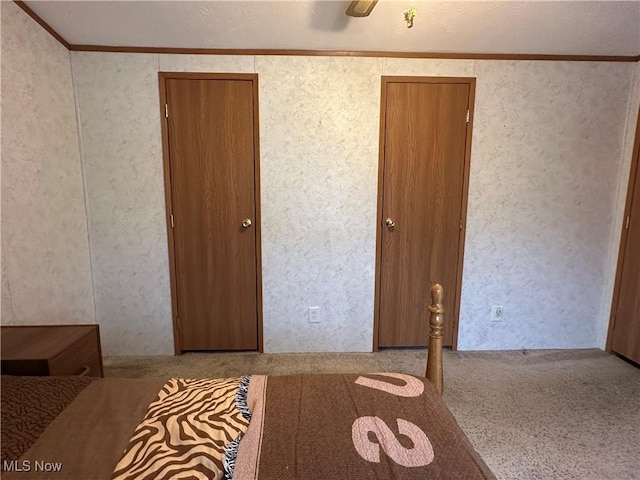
point(546, 414)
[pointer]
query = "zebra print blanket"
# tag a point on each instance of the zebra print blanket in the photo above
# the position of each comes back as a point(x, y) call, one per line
point(192, 430)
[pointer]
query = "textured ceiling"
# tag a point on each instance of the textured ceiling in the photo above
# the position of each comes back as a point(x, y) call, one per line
point(529, 27)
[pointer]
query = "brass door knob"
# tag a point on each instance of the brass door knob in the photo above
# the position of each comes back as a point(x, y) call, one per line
point(246, 223)
point(390, 223)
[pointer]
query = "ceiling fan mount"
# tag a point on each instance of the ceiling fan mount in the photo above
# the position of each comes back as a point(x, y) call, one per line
point(361, 8)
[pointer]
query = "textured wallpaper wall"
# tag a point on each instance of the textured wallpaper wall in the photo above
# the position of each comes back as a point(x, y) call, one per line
point(119, 116)
point(319, 125)
point(46, 276)
point(620, 199)
point(545, 172)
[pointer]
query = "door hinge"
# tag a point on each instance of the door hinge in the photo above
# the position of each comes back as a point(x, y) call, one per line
point(626, 226)
point(166, 111)
point(460, 224)
point(613, 323)
point(468, 115)
point(172, 225)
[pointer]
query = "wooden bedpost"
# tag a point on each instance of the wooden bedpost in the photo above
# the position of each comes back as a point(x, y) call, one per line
point(436, 325)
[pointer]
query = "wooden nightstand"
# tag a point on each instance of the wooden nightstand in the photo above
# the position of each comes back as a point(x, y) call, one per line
point(51, 350)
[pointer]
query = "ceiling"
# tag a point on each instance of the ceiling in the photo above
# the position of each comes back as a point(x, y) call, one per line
point(512, 27)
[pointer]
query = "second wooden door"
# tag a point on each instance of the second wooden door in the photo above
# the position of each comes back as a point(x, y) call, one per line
point(212, 156)
point(425, 133)
point(626, 322)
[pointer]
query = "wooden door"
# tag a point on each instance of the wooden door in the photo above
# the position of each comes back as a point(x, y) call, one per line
point(425, 144)
point(625, 339)
point(212, 166)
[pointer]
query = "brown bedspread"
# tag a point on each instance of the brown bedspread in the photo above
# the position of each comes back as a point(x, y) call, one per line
point(87, 439)
point(387, 426)
point(29, 405)
point(309, 427)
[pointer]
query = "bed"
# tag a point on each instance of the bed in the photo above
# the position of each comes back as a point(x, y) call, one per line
point(316, 427)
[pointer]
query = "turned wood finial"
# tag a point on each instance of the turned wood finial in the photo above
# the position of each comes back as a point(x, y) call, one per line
point(436, 294)
point(436, 319)
point(436, 326)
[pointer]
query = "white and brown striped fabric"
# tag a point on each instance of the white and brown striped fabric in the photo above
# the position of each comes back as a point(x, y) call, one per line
point(187, 430)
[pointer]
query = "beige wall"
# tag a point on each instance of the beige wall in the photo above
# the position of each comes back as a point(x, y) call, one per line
point(620, 200)
point(546, 168)
point(547, 153)
point(549, 170)
point(46, 276)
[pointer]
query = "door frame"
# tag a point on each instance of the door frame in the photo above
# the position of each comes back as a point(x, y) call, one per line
point(471, 81)
point(632, 185)
point(253, 78)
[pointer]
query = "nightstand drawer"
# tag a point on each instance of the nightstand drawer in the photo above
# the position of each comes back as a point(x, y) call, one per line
point(78, 356)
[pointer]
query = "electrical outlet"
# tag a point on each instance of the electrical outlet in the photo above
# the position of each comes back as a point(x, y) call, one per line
point(497, 313)
point(314, 314)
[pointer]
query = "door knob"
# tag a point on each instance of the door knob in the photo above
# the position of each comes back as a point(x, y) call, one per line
point(390, 223)
point(246, 223)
